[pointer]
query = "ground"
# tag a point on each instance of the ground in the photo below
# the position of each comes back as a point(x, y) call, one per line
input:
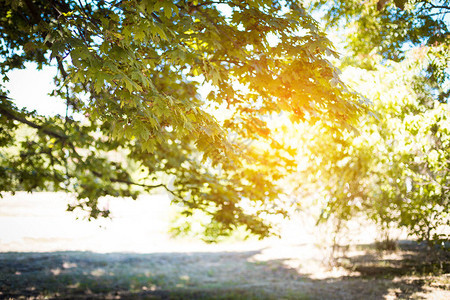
point(46, 253)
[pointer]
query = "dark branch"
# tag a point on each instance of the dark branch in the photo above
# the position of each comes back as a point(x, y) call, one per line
point(63, 138)
point(41, 128)
point(33, 10)
point(146, 186)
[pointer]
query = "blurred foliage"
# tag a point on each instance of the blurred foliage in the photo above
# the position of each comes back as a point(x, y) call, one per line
point(391, 28)
point(397, 170)
point(200, 226)
point(130, 72)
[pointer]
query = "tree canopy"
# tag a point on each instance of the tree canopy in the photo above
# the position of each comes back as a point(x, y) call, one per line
point(130, 73)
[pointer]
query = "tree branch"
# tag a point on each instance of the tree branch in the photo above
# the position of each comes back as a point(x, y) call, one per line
point(13, 116)
point(33, 10)
point(146, 186)
point(63, 138)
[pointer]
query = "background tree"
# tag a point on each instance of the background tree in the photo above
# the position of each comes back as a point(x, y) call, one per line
point(391, 28)
point(397, 172)
point(131, 71)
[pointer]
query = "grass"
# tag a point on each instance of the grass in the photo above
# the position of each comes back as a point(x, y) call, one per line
point(158, 276)
point(408, 273)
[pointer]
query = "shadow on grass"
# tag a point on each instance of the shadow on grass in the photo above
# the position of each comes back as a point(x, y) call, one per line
point(208, 275)
point(410, 259)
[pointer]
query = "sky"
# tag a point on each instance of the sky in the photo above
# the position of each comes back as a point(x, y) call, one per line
point(30, 88)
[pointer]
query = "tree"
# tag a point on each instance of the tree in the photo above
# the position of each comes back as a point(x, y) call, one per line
point(391, 28)
point(132, 70)
point(397, 172)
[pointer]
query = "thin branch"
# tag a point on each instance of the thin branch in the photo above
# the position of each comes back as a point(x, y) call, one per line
point(146, 186)
point(61, 67)
point(13, 116)
point(155, 16)
point(34, 11)
point(439, 6)
point(438, 13)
